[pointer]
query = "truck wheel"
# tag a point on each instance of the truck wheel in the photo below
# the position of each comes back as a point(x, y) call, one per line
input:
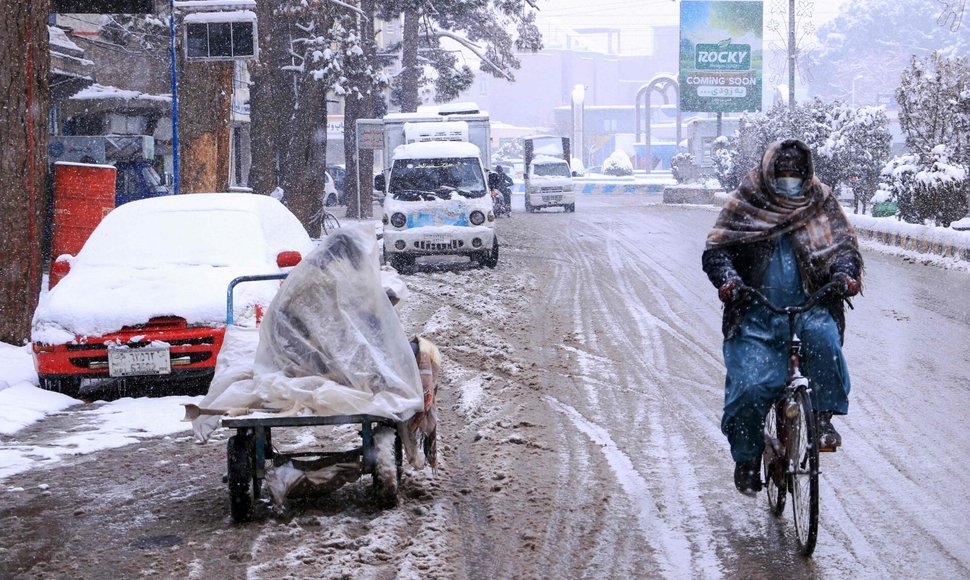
point(70, 386)
point(387, 467)
point(404, 264)
point(490, 259)
point(570, 207)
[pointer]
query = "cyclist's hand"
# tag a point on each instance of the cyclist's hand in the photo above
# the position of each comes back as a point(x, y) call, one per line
point(848, 286)
point(729, 291)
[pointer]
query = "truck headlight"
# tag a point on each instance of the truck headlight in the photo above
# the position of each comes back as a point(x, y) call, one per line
point(476, 217)
point(398, 220)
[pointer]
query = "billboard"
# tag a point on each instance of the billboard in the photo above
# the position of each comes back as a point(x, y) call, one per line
point(102, 6)
point(721, 55)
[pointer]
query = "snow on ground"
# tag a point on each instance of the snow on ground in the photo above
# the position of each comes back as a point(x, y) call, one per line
point(125, 421)
point(113, 424)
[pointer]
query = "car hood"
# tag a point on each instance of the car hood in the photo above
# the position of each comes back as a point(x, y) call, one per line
point(96, 300)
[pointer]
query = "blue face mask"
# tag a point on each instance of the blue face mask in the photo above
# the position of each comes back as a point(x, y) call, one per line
point(789, 186)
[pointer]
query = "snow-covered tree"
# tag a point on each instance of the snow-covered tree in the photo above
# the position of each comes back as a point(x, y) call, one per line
point(934, 100)
point(491, 30)
point(618, 163)
point(855, 151)
point(869, 44)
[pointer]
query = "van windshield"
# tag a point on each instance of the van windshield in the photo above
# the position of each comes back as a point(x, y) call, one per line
point(551, 169)
point(462, 175)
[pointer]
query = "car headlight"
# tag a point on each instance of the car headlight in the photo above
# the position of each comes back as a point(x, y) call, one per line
point(398, 220)
point(477, 218)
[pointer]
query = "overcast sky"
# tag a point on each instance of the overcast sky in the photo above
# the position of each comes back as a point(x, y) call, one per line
point(635, 18)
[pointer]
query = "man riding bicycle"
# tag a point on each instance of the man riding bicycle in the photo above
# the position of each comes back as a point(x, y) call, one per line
point(783, 232)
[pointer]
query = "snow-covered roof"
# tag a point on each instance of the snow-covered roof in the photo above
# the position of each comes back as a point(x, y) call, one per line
point(60, 39)
point(98, 91)
point(436, 149)
point(231, 16)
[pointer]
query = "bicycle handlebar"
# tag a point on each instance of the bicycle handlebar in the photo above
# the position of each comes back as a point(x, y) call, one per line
point(808, 305)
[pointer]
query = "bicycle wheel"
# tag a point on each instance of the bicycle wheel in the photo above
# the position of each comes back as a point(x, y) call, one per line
point(330, 222)
point(803, 479)
point(774, 462)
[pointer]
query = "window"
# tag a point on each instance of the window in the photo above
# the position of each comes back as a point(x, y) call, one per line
point(220, 36)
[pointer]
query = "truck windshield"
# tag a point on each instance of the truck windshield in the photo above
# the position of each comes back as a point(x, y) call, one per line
point(462, 175)
point(551, 169)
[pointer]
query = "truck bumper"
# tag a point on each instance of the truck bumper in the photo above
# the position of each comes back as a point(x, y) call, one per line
point(438, 241)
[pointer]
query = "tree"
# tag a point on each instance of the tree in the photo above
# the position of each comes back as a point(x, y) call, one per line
point(493, 30)
point(934, 101)
point(873, 41)
point(855, 151)
point(313, 49)
point(25, 95)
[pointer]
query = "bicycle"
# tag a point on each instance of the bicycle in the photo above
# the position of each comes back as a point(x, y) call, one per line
point(790, 463)
point(328, 222)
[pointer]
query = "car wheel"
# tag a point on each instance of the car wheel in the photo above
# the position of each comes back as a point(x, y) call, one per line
point(490, 259)
point(571, 207)
point(331, 200)
point(70, 386)
point(403, 263)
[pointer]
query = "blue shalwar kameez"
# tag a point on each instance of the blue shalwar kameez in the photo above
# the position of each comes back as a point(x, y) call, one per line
point(756, 357)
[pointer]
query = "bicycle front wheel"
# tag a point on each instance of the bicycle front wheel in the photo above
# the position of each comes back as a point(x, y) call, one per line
point(803, 479)
point(330, 223)
point(774, 462)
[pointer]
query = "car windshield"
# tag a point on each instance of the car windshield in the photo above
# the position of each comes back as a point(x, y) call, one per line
point(463, 175)
point(551, 169)
point(185, 237)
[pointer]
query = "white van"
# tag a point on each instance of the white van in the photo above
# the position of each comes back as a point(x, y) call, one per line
point(438, 203)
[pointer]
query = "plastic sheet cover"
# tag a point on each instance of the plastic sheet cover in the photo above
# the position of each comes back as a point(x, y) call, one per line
point(330, 344)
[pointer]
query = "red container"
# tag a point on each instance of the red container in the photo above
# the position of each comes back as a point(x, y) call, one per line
point(83, 195)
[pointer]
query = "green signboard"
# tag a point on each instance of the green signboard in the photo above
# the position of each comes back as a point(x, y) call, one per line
point(721, 55)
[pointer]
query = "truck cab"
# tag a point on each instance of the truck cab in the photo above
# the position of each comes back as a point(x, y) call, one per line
point(437, 202)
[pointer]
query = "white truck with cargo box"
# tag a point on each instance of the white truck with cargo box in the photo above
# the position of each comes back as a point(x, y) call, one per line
point(547, 176)
point(437, 191)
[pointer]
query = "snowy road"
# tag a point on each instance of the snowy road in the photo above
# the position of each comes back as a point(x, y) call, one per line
point(580, 437)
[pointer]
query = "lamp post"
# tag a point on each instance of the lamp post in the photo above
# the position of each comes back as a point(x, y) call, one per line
point(857, 77)
point(578, 101)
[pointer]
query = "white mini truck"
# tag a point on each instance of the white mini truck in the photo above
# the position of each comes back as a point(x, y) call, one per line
point(438, 203)
point(548, 178)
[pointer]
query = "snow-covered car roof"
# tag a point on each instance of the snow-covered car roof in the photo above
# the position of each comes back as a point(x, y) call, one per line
point(169, 256)
point(543, 159)
point(436, 149)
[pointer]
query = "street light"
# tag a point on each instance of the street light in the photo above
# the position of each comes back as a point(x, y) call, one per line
point(857, 77)
point(579, 98)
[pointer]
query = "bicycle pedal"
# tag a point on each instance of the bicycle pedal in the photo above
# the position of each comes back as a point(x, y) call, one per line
point(831, 449)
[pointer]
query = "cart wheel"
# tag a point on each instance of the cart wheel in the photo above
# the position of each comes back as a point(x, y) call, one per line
point(387, 467)
point(240, 478)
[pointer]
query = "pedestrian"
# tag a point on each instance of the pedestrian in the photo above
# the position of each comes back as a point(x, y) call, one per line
point(782, 232)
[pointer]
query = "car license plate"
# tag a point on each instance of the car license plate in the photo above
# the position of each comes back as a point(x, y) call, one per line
point(551, 198)
point(131, 362)
point(438, 239)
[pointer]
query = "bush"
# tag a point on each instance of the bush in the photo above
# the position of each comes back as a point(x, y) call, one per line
point(683, 168)
point(618, 163)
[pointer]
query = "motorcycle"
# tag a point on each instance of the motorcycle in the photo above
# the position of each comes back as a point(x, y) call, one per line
point(501, 205)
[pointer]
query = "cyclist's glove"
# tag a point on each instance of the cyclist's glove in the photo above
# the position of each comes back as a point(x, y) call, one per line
point(848, 286)
point(729, 291)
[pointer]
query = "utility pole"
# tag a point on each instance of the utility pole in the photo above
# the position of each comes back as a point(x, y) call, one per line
point(791, 55)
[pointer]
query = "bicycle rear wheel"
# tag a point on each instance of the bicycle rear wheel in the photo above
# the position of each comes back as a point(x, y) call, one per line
point(775, 463)
point(803, 480)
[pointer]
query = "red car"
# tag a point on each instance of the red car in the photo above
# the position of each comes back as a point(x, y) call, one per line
point(146, 296)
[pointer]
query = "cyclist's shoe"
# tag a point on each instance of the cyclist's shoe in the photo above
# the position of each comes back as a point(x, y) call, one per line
point(828, 438)
point(747, 476)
